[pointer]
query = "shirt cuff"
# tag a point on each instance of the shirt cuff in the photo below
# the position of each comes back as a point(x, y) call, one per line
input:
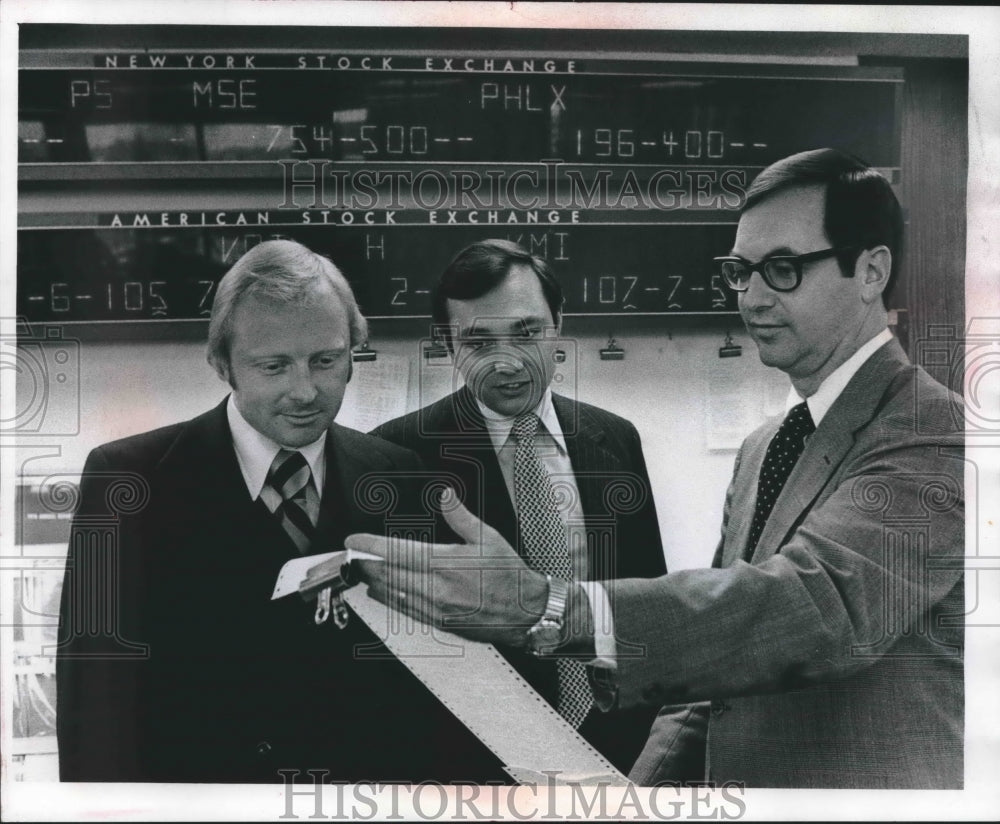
point(605, 649)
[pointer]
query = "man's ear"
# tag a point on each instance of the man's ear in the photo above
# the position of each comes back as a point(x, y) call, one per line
point(873, 268)
point(221, 367)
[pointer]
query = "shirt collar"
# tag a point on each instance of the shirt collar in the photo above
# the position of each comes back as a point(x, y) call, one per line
point(499, 426)
point(829, 390)
point(255, 452)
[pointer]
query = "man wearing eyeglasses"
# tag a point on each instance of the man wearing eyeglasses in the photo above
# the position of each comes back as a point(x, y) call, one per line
point(563, 481)
point(824, 646)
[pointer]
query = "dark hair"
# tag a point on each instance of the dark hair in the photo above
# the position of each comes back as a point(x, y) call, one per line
point(861, 210)
point(480, 268)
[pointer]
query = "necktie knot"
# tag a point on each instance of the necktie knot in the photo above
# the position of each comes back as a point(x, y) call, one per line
point(798, 423)
point(289, 473)
point(525, 426)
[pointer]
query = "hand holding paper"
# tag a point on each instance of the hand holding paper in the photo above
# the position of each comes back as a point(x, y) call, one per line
point(300, 574)
point(480, 589)
point(323, 578)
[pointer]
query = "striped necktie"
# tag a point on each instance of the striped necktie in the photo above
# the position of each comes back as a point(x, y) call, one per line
point(543, 538)
point(291, 496)
point(782, 454)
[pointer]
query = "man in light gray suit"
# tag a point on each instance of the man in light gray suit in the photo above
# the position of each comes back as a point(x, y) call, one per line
point(824, 647)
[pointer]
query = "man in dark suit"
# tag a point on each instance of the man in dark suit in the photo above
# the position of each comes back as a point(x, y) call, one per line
point(500, 309)
point(174, 664)
point(825, 645)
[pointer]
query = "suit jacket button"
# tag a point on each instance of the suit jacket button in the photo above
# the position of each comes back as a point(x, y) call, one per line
point(719, 707)
point(263, 748)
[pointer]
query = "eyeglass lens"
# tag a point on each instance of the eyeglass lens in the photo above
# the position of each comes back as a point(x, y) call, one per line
point(779, 274)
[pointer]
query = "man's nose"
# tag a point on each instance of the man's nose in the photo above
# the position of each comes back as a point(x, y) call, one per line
point(302, 386)
point(758, 294)
point(508, 363)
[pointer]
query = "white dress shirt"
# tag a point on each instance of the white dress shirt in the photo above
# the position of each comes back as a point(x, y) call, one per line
point(826, 394)
point(255, 453)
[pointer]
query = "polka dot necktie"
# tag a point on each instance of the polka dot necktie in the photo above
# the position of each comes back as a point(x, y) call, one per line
point(543, 538)
point(291, 496)
point(782, 453)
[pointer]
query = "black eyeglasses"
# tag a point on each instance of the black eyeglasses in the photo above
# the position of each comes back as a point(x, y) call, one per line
point(783, 273)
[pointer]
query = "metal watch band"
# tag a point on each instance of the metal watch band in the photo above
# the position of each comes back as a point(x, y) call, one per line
point(555, 607)
point(545, 636)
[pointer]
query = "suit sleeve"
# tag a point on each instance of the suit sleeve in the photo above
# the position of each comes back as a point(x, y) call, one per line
point(800, 617)
point(677, 746)
point(675, 752)
point(97, 666)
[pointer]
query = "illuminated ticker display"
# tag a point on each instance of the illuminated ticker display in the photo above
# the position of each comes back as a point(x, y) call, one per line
point(170, 274)
point(190, 108)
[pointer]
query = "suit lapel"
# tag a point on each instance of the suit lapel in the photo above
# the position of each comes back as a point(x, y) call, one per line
point(219, 489)
point(591, 461)
point(204, 452)
point(822, 455)
point(340, 475)
point(828, 446)
point(206, 469)
point(745, 494)
point(347, 462)
point(227, 527)
point(593, 465)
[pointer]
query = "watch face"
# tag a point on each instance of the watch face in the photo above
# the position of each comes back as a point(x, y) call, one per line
point(543, 639)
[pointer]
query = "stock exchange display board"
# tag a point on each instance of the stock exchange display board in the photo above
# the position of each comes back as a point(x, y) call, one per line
point(145, 173)
point(168, 274)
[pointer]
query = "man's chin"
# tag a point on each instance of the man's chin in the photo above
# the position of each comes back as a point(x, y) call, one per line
point(772, 356)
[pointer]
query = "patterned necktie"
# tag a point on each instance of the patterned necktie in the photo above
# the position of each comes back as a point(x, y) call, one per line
point(543, 537)
point(782, 453)
point(291, 496)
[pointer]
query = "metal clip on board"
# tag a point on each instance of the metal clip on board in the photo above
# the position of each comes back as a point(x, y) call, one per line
point(326, 582)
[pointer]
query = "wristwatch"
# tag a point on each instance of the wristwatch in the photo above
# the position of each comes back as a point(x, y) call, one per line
point(547, 635)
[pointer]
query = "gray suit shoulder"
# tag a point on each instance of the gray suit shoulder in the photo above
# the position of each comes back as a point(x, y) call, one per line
point(935, 408)
point(915, 404)
point(912, 401)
